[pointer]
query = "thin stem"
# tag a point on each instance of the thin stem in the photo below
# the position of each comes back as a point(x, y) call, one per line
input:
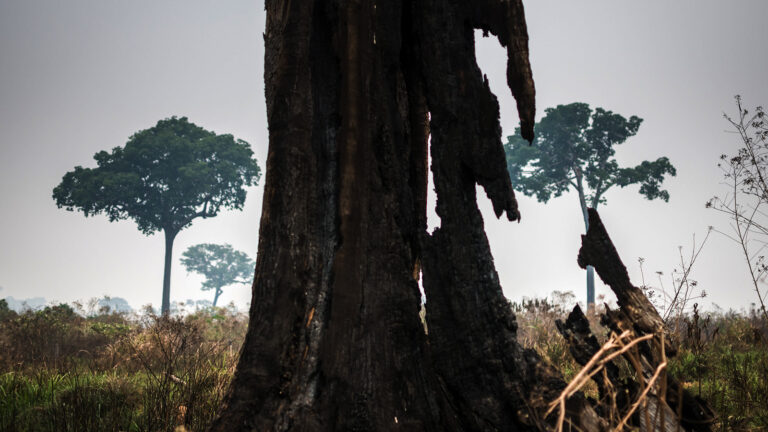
point(743, 242)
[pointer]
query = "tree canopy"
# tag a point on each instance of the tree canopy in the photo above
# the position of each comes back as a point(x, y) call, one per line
point(221, 265)
point(164, 178)
point(573, 141)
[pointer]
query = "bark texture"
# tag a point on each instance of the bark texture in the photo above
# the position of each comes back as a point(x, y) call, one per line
point(354, 91)
point(670, 407)
point(335, 341)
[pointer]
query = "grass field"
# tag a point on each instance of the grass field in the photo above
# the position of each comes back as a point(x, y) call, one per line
point(67, 370)
point(60, 371)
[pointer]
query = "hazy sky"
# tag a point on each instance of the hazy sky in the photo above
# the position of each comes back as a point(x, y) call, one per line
point(80, 76)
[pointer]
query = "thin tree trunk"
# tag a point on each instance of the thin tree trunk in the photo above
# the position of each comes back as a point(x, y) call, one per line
point(216, 296)
point(585, 215)
point(170, 235)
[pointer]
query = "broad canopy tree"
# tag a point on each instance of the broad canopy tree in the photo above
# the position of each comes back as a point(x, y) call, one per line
point(220, 264)
point(164, 178)
point(573, 149)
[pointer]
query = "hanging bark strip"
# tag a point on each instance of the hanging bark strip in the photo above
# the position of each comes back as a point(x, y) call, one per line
point(334, 339)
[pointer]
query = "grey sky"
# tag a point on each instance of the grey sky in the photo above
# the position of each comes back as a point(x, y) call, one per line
point(79, 76)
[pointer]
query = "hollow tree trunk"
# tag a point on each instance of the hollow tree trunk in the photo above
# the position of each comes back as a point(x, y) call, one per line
point(334, 339)
point(170, 235)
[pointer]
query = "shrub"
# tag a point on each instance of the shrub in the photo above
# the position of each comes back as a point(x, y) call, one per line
point(61, 371)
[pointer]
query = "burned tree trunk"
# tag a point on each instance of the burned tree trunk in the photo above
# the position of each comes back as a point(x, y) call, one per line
point(335, 341)
point(354, 91)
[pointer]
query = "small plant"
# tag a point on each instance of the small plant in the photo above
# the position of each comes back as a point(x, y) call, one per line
point(723, 358)
point(672, 303)
point(746, 175)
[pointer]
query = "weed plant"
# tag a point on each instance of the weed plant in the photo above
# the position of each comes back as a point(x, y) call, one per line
point(723, 358)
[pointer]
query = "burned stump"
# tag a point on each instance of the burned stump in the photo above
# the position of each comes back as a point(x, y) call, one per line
point(356, 91)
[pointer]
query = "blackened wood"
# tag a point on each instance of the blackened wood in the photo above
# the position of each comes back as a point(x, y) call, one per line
point(493, 382)
point(582, 343)
point(636, 313)
point(334, 339)
point(598, 250)
point(506, 20)
point(616, 394)
point(472, 330)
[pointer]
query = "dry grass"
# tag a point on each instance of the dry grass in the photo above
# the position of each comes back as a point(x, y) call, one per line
point(60, 371)
point(722, 358)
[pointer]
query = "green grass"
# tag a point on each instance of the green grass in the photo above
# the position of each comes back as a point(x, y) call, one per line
point(734, 380)
point(70, 402)
point(722, 358)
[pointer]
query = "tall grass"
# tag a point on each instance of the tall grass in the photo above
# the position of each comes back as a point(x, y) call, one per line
point(60, 371)
point(722, 357)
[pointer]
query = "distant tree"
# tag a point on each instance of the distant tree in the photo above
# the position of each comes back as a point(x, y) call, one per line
point(114, 305)
point(23, 305)
point(6, 312)
point(203, 304)
point(573, 149)
point(164, 178)
point(220, 264)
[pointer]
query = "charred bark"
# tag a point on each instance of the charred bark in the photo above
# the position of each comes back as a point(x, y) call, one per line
point(670, 406)
point(334, 339)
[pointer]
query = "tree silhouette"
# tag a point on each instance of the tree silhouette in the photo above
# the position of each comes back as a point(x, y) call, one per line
point(573, 149)
point(164, 178)
point(220, 264)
